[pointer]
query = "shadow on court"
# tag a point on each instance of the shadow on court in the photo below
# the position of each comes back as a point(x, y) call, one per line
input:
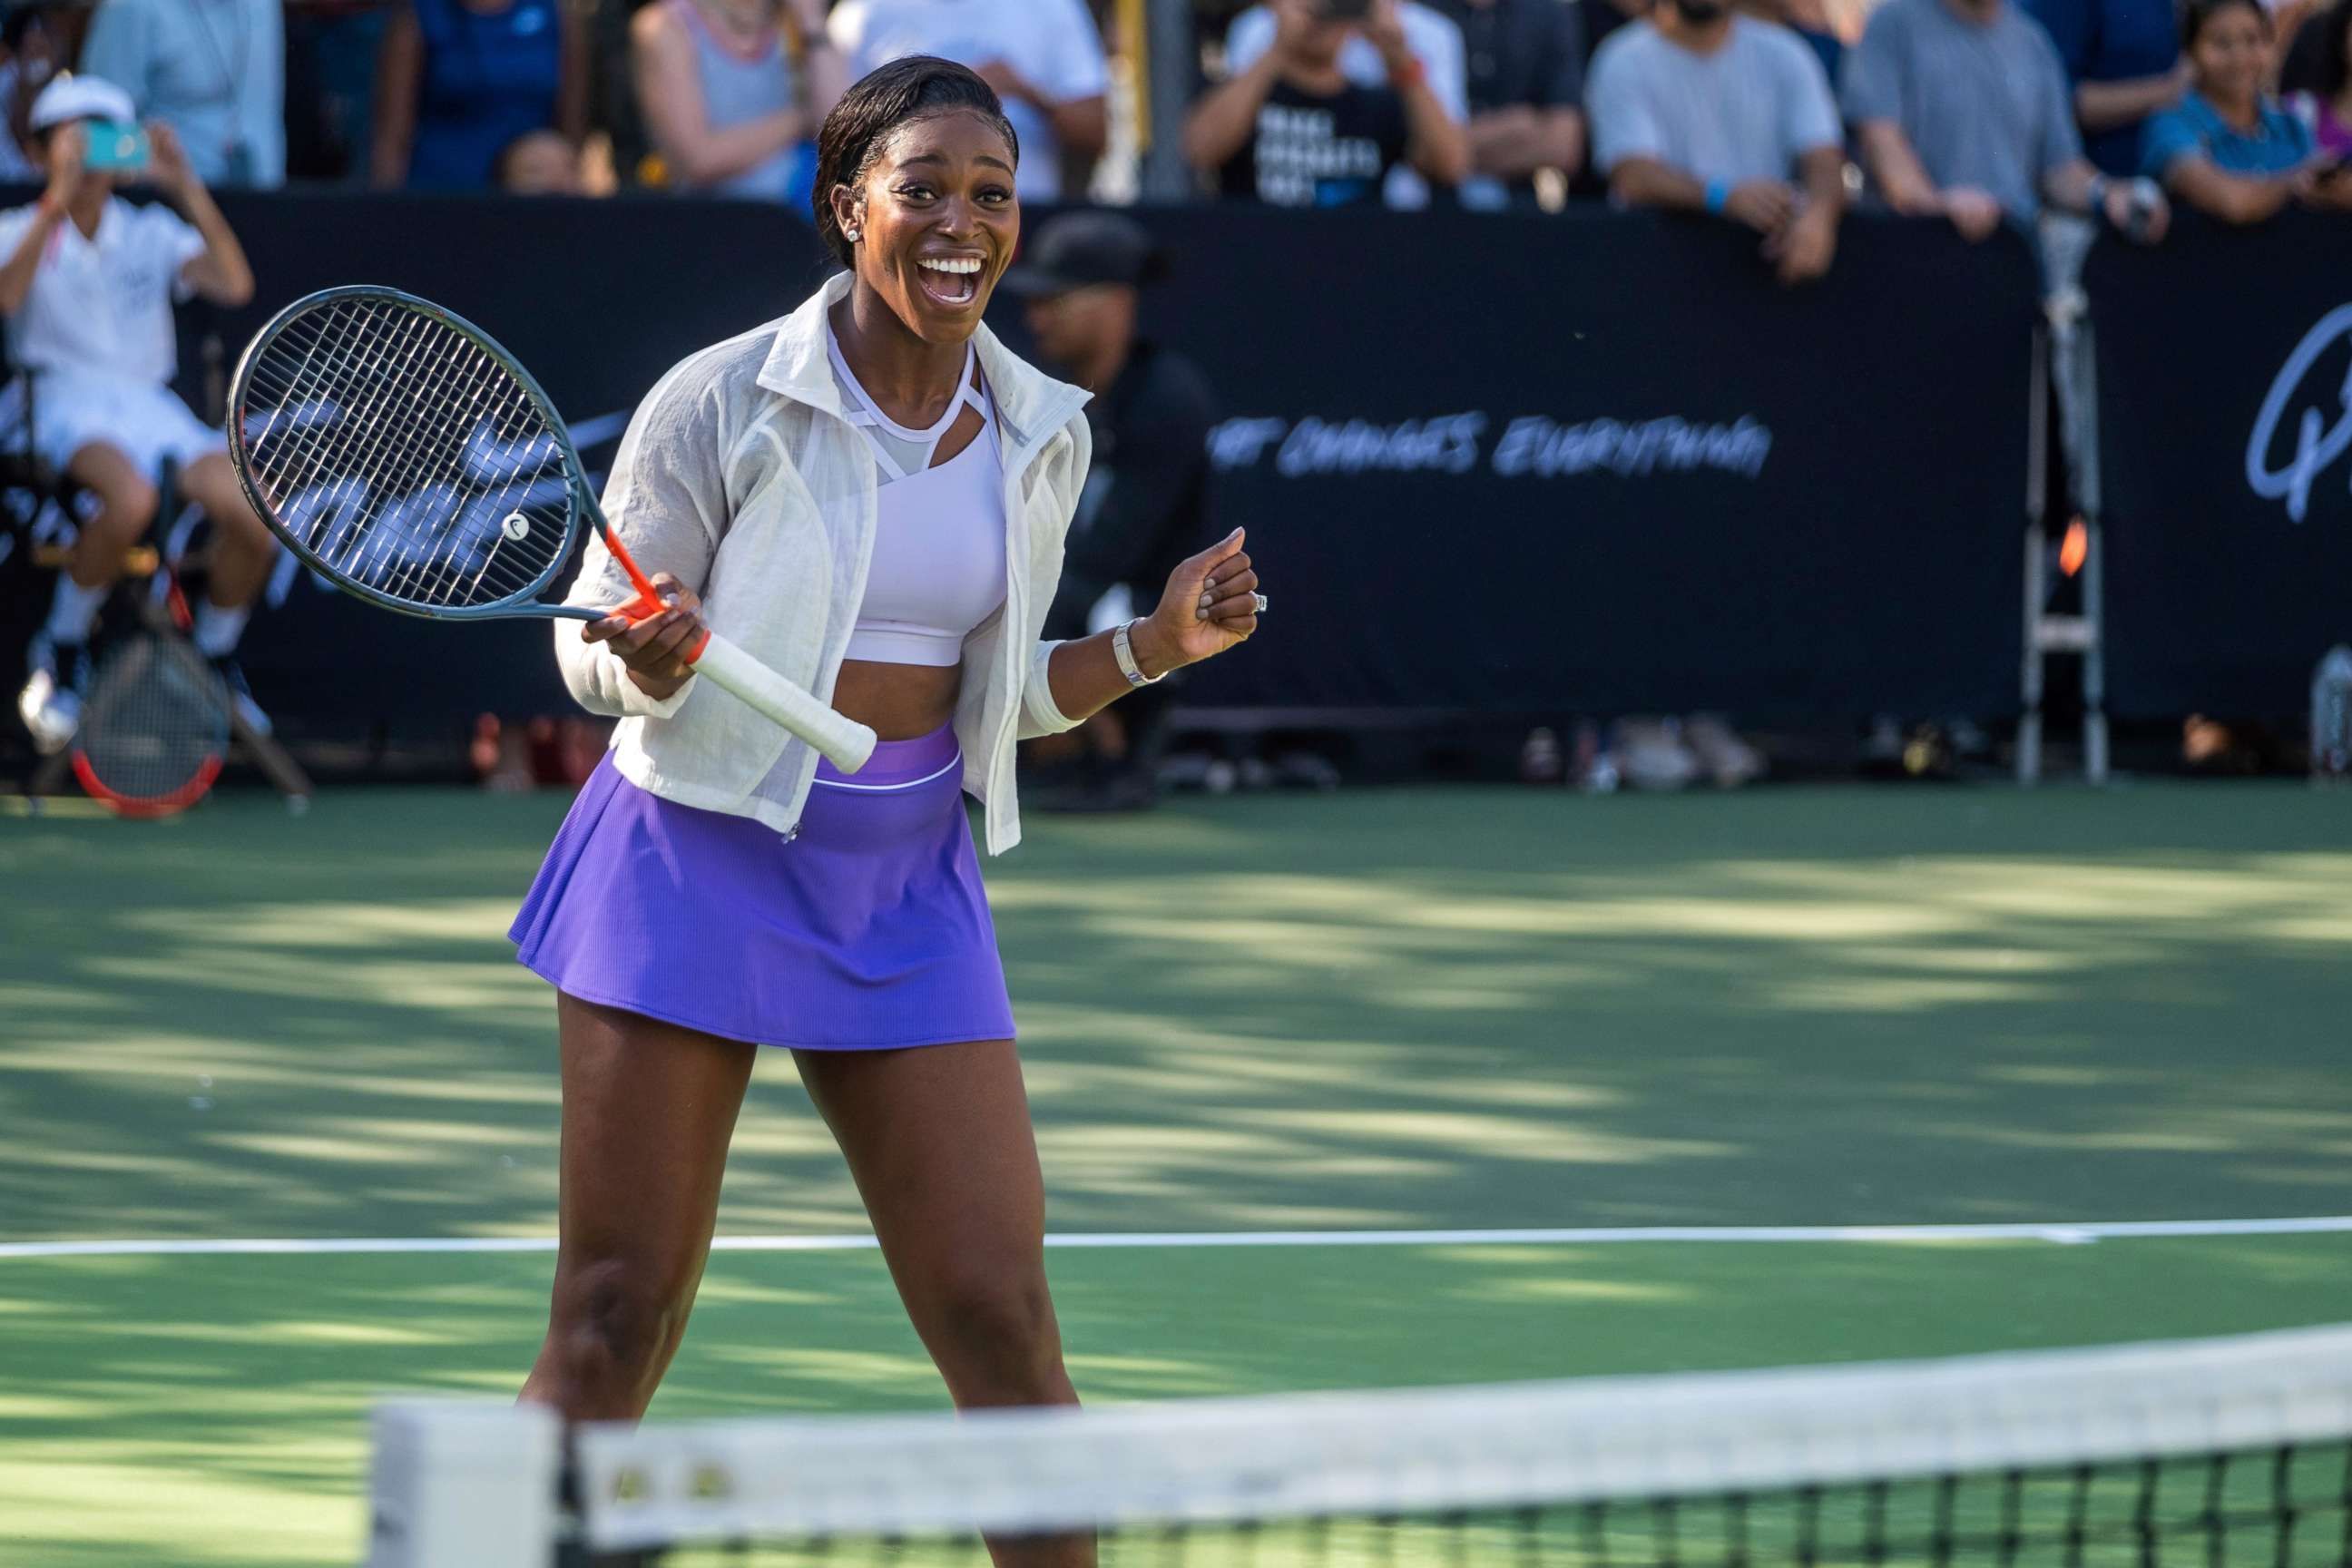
point(1429, 1009)
point(1387, 1009)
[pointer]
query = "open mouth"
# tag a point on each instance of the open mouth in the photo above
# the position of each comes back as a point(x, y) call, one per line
point(952, 281)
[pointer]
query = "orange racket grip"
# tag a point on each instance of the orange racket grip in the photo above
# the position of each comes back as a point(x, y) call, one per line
point(637, 608)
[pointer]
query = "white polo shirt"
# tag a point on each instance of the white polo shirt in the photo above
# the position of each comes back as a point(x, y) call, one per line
point(1052, 44)
point(104, 304)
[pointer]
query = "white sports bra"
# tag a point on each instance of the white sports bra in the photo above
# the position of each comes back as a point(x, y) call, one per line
point(938, 564)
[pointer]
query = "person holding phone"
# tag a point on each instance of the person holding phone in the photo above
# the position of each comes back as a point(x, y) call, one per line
point(1327, 98)
point(88, 284)
point(2228, 150)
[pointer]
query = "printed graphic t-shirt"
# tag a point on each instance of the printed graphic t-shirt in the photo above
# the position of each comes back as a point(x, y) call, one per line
point(1315, 151)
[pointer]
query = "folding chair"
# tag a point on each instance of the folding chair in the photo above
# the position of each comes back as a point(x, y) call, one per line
point(43, 502)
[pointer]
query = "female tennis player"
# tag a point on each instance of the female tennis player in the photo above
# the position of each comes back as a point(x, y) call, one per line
point(871, 497)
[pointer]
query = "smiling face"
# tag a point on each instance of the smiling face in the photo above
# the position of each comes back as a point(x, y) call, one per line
point(2231, 55)
point(936, 222)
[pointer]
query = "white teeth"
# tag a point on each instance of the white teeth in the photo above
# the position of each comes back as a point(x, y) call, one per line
point(961, 265)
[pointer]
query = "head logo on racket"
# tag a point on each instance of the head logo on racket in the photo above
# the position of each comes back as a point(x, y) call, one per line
point(516, 526)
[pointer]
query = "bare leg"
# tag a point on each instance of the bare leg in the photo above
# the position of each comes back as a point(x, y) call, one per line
point(648, 1109)
point(126, 506)
point(937, 1139)
point(242, 547)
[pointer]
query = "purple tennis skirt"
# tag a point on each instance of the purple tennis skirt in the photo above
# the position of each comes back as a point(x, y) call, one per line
point(867, 930)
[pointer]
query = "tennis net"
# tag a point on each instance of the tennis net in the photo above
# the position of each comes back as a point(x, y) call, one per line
point(2205, 1454)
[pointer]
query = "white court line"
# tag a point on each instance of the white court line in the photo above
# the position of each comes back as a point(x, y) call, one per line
point(2057, 1232)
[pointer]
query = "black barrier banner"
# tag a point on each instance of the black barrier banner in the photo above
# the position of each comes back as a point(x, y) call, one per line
point(1492, 463)
point(1606, 463)
point(2225, 421)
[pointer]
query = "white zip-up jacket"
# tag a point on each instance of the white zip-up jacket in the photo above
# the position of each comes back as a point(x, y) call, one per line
point(740, 476)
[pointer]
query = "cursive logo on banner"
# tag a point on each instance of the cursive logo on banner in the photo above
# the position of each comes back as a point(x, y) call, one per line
point(2317, 443)
point(1530, 446)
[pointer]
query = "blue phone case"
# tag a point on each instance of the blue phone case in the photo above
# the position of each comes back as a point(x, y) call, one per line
point(115, 146)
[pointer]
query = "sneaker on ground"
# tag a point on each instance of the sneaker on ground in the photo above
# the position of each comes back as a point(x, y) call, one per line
point(232, 675)
point(51, 701)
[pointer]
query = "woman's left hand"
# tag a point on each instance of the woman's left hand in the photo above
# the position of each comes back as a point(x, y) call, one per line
point(168, 169)
point(1211, 604)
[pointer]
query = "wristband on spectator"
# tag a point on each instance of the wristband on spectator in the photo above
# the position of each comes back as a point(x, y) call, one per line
point(2098, 196)
point(1718, 195)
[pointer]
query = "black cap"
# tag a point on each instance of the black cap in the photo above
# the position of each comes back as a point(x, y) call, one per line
point(1074, 250)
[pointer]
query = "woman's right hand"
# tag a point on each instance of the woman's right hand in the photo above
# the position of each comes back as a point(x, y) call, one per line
point(69, 147)
point(655, 649)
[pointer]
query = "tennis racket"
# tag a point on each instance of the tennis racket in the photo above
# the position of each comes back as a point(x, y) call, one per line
point(155, 731)
point(406, 457)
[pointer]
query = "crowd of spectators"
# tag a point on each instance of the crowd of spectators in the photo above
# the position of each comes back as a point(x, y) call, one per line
point(1774, 114)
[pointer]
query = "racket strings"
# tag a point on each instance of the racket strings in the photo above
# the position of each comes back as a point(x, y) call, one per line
point(409, 562)
point(489, 402)
point(157, 728)
point(404, 454)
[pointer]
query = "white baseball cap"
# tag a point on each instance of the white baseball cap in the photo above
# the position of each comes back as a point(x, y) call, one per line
point(71, 97)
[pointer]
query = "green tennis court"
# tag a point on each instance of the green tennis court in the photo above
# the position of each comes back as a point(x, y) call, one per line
point(1441, 1013)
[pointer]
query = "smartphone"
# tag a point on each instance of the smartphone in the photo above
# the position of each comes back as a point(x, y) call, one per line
point(114, 146)
point(1344, 10)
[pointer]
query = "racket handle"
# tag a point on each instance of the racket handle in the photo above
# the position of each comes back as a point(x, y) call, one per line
point(845, 741)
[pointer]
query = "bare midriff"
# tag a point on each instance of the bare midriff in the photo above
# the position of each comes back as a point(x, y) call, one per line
point(898, 701)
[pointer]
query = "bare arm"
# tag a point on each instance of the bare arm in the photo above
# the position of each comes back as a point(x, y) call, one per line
point(1821, 172)
point(1436, 143)
point(2111, 105)
point(1653, 182)
point(1804, 248)
point(1085, 675)
point(17, 273)
point(2078, 186)
point(221, 274)
point(2069, 186)
point(2233, 198)
point(1206, 610)
point(574, 43)
point(1513, 143)
point(1895, 169)
point(1082, 125)
point(824, 73)
point(399, 63)
point(1225, 118)
point(670, 95)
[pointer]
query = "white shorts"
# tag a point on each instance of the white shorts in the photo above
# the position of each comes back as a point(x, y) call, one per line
point(72, 409)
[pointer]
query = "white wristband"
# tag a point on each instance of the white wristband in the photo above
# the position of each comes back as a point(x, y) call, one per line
point(1123, 650)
